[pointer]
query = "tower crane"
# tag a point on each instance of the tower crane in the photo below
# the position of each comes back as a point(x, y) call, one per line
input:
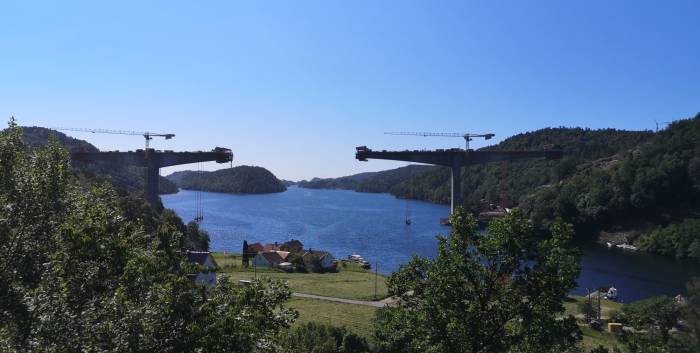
point(147, 135)
point(466, 136)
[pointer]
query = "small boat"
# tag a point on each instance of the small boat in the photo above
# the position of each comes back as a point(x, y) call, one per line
point(445, 222)
point(355, 258)
point(627, 247)
point(609, 293)
point(408, 221)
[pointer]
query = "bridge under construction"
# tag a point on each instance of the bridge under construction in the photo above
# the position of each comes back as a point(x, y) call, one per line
point(455, 159)
point(152, 160)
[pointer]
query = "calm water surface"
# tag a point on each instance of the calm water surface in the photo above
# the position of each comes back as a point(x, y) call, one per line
point(372, 225)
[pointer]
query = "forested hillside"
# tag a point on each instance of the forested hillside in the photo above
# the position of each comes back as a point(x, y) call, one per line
point(500, 183)
point(238, 180)
point(505, 183)
point(128, 177)
point(658, 181)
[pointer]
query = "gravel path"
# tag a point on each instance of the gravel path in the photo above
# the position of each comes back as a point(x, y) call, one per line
point(376, 304)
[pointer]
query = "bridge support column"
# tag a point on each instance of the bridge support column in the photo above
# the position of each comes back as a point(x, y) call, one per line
point(152, 183)
point(456, 197)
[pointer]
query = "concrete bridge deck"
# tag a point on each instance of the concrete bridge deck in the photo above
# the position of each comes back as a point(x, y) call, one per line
point(153, 160)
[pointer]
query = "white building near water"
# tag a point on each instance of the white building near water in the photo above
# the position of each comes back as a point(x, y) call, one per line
point(206, 260)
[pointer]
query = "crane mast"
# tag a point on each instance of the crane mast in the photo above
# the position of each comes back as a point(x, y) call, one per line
point(465, 135)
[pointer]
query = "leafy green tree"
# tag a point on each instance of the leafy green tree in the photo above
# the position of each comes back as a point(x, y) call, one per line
point(657, 315)
point(691, 312)
point(195, 238)
point(317, 337)
point(80, 273)
point(499, 291)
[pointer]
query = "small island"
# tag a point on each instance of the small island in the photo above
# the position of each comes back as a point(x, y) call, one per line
point(237, 180)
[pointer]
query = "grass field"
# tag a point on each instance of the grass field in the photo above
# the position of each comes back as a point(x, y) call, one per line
point(591, 337)
point(356, 318)
point(350, 282)
point(606, 306)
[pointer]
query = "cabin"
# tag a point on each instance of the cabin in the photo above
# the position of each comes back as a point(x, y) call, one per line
point(315, 260)
point(270, 259)
point(205, 259)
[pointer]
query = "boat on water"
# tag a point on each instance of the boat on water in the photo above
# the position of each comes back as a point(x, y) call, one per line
point(408, 221)
point(360, 261)
point(445, 222)
point(355, 257)
point(627, 247)
point(609, 293)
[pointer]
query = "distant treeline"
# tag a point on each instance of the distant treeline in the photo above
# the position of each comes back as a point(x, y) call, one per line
point(238, 180)
point(368, 182)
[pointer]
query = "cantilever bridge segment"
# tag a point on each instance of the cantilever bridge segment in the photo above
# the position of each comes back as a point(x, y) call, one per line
point(153, 160)
point(455, 159)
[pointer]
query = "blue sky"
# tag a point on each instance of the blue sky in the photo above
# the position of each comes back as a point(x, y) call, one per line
point(294, 86)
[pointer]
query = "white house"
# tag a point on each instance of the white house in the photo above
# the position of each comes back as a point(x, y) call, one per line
point(206, 260)
point(270, 258)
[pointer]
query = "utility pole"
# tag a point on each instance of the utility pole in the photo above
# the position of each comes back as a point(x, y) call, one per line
point(376, 276)
point(590, 305)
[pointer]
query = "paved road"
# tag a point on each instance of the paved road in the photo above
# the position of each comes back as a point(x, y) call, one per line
point(376, 304)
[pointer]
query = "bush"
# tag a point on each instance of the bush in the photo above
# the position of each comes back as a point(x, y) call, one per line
point(322, 338)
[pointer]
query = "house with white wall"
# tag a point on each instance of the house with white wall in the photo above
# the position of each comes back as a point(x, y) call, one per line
point(206, 260)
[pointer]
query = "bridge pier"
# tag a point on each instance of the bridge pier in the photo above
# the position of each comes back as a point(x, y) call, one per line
point(152, 181)
point(456, 194)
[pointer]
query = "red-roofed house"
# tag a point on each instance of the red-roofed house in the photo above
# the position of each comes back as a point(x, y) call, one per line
point(255, 248)
point(270, 258)
point(271, 247)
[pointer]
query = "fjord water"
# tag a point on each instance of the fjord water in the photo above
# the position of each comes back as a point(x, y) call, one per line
point(372, 225)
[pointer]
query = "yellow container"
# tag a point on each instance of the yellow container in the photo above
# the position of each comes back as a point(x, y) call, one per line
point(614, 327)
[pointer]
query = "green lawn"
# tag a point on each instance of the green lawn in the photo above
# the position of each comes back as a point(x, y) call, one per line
point(591, 337)
point(356, 318)
point(606, 306)
point(350, 282)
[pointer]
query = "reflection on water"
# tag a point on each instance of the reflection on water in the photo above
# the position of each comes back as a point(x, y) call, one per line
point(345, 222)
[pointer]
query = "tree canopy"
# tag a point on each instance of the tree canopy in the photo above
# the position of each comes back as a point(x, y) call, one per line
point(79, 272)
point(498, 291)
